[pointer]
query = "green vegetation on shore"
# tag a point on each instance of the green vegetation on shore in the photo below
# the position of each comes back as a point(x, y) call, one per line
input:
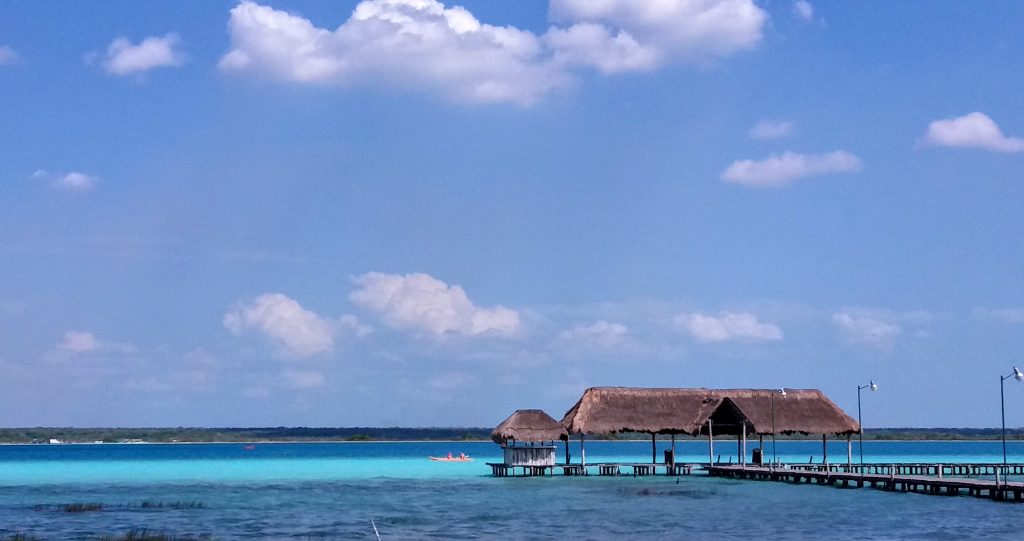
point(355, 434)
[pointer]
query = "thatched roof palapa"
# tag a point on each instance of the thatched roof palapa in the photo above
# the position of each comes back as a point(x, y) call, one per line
point(608, 410)
point(803, 411)
point(528, 426)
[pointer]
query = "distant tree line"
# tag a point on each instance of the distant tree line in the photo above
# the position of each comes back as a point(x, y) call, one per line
point(359, 433)
point(233, 434)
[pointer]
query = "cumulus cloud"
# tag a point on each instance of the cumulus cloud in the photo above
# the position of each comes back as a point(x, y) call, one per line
point(7, 56)
point(804, 10)
point(728, 326)
point(74, 181)
point(790, 166)
point(772, 129)
point(974, 130)
point(424, 44)
point(596, 45)
point(864, 329)
point(684, 31)
point(86, 342)
point(299, 332)
point(601, 333)
point(420, 301)
point(417, 43)
point(125, 58)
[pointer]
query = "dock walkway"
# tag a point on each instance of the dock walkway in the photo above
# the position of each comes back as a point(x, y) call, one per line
point(499, 469)
point(891, 481)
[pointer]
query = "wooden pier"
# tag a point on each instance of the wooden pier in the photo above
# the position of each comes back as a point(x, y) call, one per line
point(499, 469)
point(919, 468)
point(891, 481)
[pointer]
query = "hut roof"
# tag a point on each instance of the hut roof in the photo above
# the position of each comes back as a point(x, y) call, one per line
point(804, 411)
point(607, 410)
point(528, 425)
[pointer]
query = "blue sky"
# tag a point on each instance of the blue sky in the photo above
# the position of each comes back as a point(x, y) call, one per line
point(401, 212)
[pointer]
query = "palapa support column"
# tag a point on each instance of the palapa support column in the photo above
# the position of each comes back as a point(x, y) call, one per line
point(711, 446)
point(673, 447)
point(583, 452)
point(566, 449)
point(654, 449)
point(849, 453)
point(743, 448)
point(824, 449)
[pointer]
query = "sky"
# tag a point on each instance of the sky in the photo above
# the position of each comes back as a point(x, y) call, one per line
point(416, 213)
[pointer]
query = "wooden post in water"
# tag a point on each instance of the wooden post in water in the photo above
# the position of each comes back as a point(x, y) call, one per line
point(673, 447)
point(711, 446)
point(566, 449)
point(824, 449)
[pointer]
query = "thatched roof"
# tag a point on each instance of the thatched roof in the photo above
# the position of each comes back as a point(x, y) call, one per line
point(804, 411)
point(528, 425)
point(607, 410)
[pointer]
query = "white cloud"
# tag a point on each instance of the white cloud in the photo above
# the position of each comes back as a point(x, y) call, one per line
point(974, 130)
point(300, 332)
point(424, 44)
point(683, 31)
point(418, 43)
point(864, 329)
point(86, 342)
point(728, 326)
point(78, 342)
point(7, 56)
point(74, 181)
point(601, 333)
point(423, 302)
point(590, 44)
point(772, 129)
point(125, 58)
point(803, 9)
point(781, 170)
point(303, 379)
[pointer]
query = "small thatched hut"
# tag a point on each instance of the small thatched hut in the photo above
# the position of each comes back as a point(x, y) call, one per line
point(529, 426)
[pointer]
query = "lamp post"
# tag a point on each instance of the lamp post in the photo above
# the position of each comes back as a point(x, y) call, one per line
point(783, 393)
point(860, 436)
point(1019, 376)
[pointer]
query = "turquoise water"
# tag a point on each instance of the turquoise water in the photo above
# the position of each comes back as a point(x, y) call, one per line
point(333, 490)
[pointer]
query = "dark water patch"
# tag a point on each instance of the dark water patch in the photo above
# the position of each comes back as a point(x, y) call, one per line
point(170, 505)
point(21, 537)
point(149, 535)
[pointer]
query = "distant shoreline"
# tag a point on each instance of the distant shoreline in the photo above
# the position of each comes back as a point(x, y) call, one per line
point(266, 435)
point(574, 440)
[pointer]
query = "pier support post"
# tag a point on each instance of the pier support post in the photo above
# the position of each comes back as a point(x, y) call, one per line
point(583, 452)
point(743, 447)
point(711, 446)
point(849, 454)
point(824, 449)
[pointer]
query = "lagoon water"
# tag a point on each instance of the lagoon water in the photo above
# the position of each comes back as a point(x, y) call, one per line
point(333, 490)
